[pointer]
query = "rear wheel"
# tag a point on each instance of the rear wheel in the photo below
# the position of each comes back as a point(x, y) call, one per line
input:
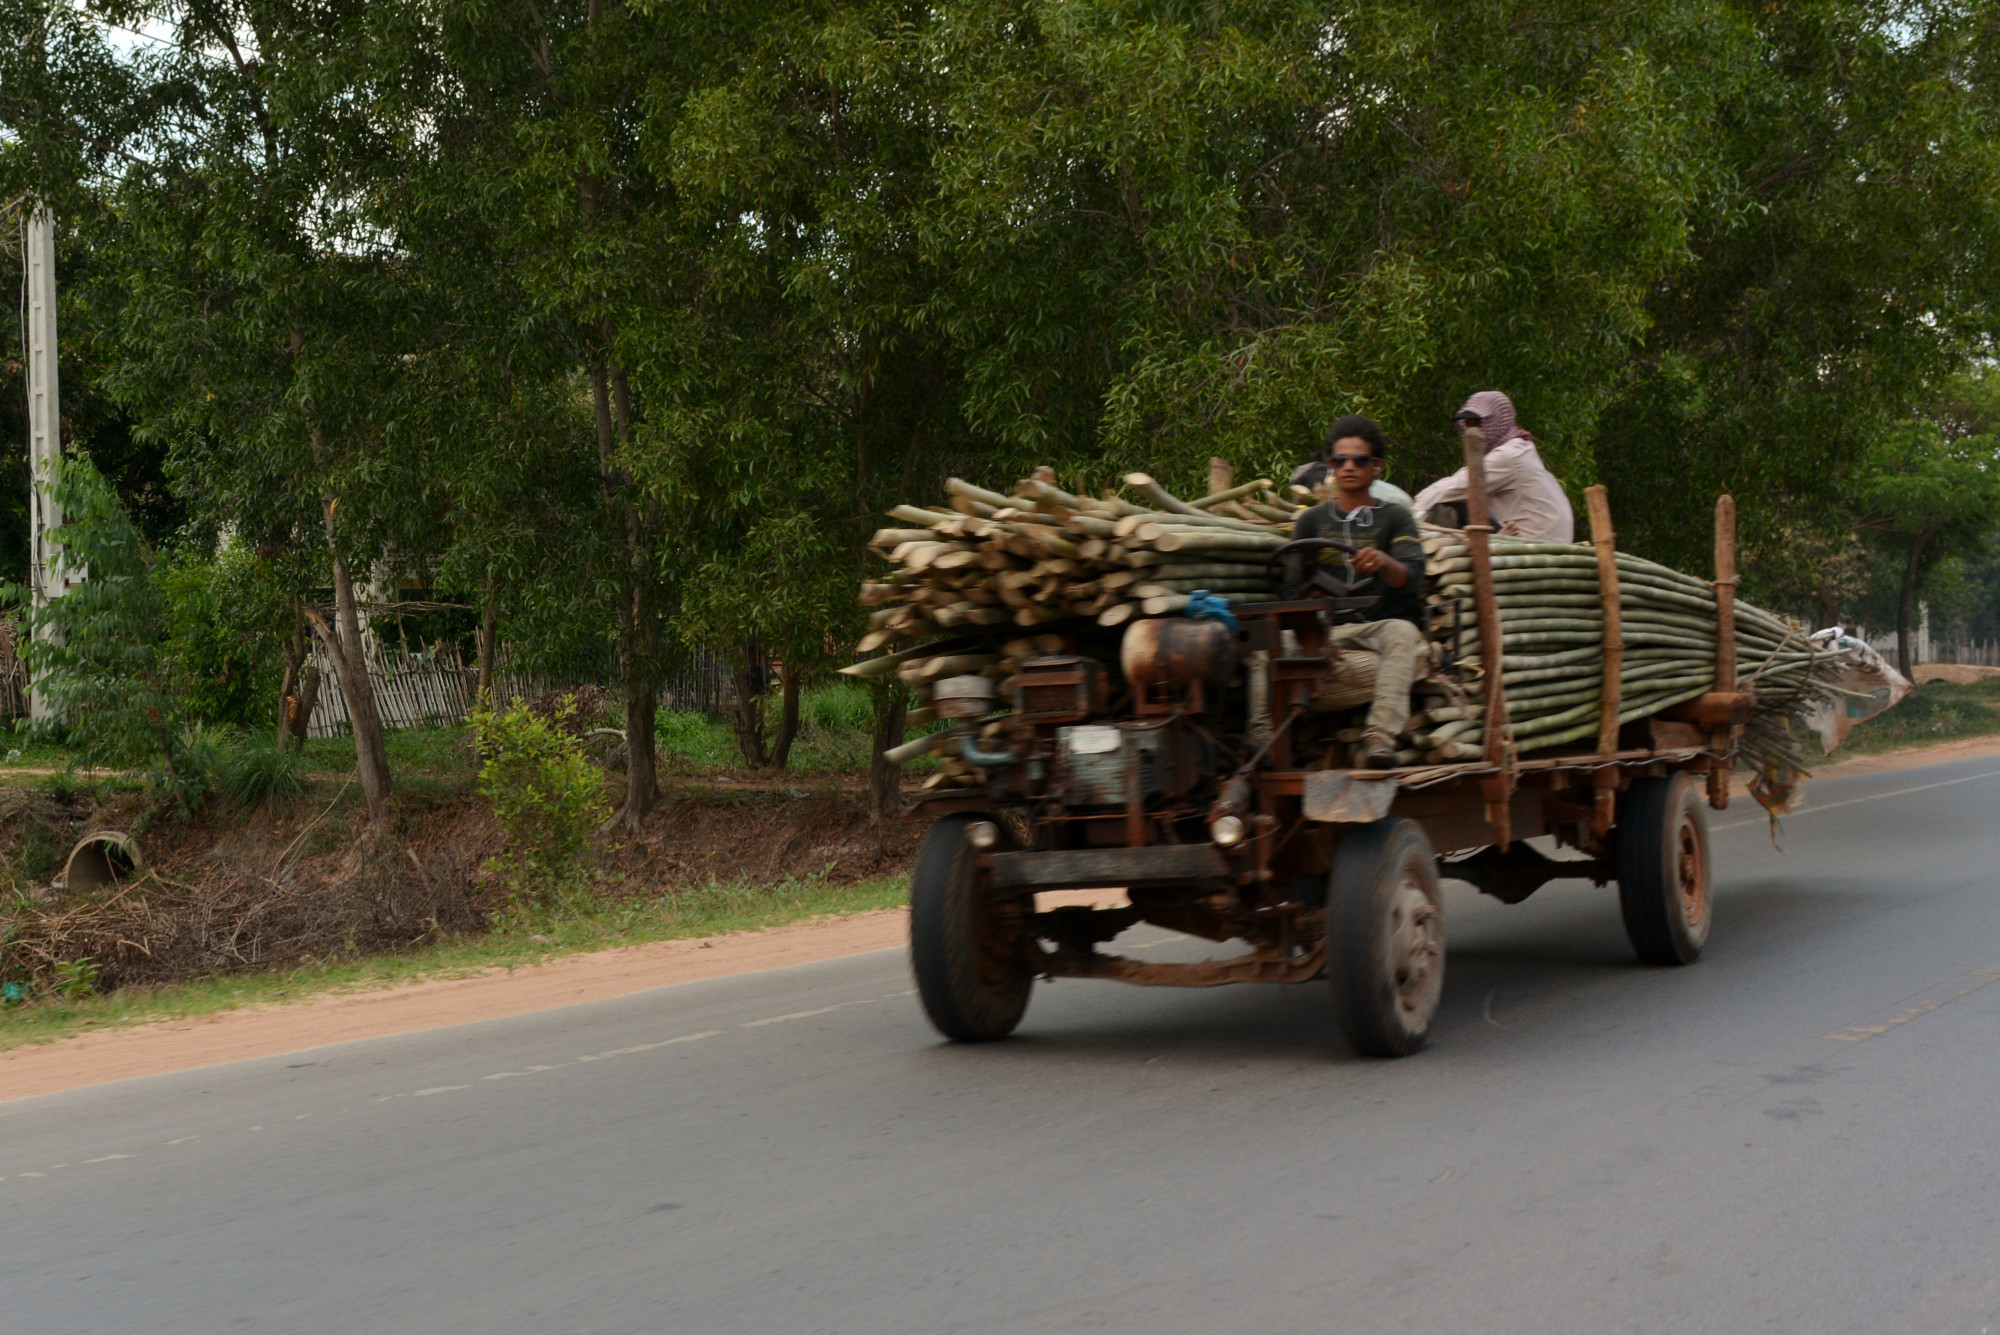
point(972, 971)
point(1663, 870)
point(1385, 922)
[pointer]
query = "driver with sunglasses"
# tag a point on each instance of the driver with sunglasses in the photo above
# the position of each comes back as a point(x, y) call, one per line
point(1390, 553)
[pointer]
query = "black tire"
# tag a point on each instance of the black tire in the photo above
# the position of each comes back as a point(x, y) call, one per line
point(1385, 945)
point(972, 974)
point(1664, 870)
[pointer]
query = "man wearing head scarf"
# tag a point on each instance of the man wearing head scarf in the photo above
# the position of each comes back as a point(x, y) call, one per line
point(1522, 496)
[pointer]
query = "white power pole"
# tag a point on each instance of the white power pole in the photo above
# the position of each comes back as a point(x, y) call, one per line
point(44, 419)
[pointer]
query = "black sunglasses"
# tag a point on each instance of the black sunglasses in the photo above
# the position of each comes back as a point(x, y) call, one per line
point(1358, 460)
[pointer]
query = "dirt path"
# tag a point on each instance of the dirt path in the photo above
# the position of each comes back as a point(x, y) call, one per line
point(1910, 757)
point(179, 1045)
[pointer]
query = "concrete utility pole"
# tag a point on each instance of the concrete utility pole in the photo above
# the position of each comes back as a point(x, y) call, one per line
point(46, 572)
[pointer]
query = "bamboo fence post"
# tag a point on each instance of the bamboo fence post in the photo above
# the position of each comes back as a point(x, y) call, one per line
point(1725, 638)
point(1605, 540)
point(1492, 650)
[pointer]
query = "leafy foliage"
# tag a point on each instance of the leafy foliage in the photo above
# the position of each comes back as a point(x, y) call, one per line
point(226, 615)
point(257, 773)
point(547, 797)
point(98, 651)
point(622, 321)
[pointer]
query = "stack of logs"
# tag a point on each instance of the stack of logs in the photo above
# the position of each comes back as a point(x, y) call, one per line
point(1043, 555)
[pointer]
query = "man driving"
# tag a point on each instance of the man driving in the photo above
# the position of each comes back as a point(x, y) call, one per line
point(1390, 553)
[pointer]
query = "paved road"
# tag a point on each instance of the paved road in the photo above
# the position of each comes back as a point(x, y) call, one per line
point(1801, 1133)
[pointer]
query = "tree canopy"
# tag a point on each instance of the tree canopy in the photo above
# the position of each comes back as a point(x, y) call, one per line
point(624, 320)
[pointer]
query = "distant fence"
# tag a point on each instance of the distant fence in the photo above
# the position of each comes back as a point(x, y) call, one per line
point(1926, 649)
point(435, 688)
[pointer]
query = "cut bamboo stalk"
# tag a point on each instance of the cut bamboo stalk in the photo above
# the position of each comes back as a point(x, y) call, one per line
point(960, 487)
point(1228, 494)
point(1158, 494)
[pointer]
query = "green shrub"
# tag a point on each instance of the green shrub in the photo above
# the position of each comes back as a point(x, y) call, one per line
point(226, 617)
point(547, 797)
point(98, 651)
point(76, 979)
point(694, 737)
point(842, 706)
point(257, 772)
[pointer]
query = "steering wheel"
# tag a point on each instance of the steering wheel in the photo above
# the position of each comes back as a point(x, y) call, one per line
point(1319, 579)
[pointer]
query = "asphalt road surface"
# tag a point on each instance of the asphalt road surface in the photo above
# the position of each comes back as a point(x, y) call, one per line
point(1800, 1133)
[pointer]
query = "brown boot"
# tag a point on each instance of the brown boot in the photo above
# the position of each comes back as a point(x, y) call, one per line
point(1375, 751)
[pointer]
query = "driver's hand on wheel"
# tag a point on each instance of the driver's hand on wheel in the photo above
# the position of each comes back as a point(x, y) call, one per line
point(1375, 561)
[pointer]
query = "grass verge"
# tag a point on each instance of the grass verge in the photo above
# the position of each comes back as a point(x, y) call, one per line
point(606, 925)
point(1934, 713)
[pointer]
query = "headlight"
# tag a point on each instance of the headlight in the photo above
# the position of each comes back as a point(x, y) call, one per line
point(1226, 830)
point(982, 834)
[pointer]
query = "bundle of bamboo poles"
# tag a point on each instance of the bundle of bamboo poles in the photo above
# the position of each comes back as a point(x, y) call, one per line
point(1043, 555)
point(968, 578)
point(1551, 614)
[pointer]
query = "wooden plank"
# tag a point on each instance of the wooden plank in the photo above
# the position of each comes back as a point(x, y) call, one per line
point(1605, 540)
point(1478, 532)
point(1725, 637)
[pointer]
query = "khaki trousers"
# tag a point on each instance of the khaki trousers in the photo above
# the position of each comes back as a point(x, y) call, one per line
point(1399, 645)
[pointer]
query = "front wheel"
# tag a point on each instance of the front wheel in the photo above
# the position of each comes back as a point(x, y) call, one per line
point(1385, 921)
point(972, 971)
point(1663, 870)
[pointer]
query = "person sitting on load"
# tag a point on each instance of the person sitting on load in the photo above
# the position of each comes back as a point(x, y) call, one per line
point(1523, 498)
point(1390, 553)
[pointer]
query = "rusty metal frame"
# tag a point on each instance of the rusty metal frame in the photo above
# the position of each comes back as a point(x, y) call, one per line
point(1264, 965)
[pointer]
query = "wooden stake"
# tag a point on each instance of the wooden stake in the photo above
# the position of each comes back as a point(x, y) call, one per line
point(1478, 529)
point(1221, 475)
point(1605, 540)
point(1725, 638)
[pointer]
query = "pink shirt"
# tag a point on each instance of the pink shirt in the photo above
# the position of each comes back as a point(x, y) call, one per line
point(1520, 490)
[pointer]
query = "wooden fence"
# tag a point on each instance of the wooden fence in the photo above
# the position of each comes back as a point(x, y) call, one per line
point(435, 688)
point(1927, 649)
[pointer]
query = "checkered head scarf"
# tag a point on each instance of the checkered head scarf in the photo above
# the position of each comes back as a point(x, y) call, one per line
point(1496, 416)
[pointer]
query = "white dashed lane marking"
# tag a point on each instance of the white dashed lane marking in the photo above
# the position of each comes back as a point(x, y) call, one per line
point(648, 1047)
point(800, 1015)
point(1873, 797)
point(584, 1059)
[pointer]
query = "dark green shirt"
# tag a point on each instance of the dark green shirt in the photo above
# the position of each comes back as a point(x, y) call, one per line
point(1384, 525)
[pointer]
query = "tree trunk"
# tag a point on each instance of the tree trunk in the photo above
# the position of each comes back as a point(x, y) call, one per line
point(371, 755)
point(1829, 604)
point(288, 689)
point(489, 639)
point(788, 718)
point(612, 402)
point(885, 781)
point(750, 674)
point(1908, 596)
point(308, 701)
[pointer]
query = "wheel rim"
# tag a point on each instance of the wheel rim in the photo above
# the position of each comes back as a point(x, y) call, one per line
point(1416, 950)
point(1691, 874)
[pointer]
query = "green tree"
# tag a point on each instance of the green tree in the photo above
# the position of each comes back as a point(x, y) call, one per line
point(99, 655)
point(1927, 495)
point(1845, 263)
